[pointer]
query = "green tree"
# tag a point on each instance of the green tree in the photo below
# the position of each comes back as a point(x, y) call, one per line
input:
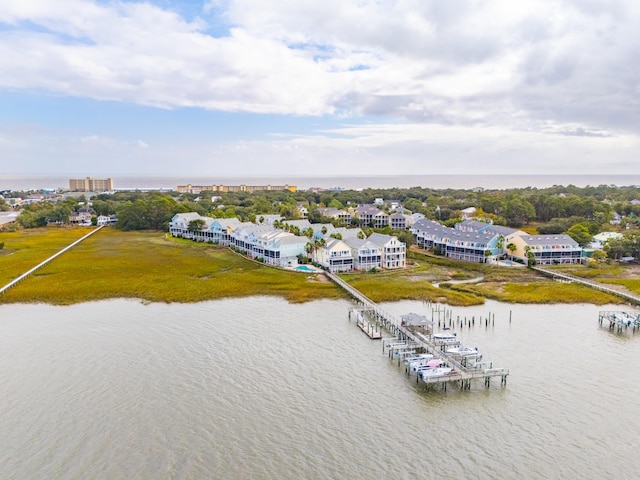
point(518, 211)
point(580, 233)
point(196, 225)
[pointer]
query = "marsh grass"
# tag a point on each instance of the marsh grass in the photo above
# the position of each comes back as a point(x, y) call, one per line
point(391, 288)
point(25, 249)
point(632, 285)
point(600, 270)
point(153, 267)
point(541, 292)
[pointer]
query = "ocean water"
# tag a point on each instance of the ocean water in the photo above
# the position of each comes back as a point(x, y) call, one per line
point(401, 181)
point(259, 388)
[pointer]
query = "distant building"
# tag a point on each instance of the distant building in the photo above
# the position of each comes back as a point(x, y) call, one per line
point(82, 216)
point(232, 188)
point(91, 185)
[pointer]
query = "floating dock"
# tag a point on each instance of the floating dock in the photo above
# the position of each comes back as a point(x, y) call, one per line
point(408, 340)
point(372, 329)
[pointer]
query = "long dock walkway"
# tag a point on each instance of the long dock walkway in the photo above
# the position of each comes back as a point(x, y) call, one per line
point(407, 341)
point(42, 264)
point(598, 286)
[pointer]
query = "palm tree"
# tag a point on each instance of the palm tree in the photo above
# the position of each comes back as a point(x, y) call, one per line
point(531, 257)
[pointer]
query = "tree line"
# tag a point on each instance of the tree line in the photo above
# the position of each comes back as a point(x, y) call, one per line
point(580, 212)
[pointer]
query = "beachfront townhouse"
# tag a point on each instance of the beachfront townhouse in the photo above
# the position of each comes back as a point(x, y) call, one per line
point(179, 225)
point(366, 254)
point(222, 228)
point(469, 241)
point(214, 230)
point(496, 237)
point(476, 247)
point(278, 248)
point(400, 221)
point(547, 249)
point(371, 216)
point(431, 235)
point(342, 217)
point(335, 255)
point(245, 238)
point(488, 227)
point(394, 252)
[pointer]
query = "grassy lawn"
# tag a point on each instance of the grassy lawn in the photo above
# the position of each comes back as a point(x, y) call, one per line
point(148, 266)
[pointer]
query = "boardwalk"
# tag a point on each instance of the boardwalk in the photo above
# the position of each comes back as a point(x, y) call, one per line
point(598, 286)
point(407, 341)
point(42, 264)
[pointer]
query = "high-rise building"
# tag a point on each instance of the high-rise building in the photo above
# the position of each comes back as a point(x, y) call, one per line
point(90, 185)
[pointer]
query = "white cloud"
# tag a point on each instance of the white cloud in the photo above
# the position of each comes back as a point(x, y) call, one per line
point(511, 87)
point(387, 149)
point(428, 61)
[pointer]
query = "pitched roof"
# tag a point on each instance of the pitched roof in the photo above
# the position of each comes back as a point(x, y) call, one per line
point(549, 240)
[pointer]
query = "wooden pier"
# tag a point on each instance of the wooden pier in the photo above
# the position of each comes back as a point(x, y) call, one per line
point(619, 321)
point(409, 340)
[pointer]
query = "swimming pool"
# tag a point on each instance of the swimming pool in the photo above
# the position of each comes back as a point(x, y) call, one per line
point(304, 268)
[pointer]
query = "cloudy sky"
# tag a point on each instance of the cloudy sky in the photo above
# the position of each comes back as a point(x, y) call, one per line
point(331, 87)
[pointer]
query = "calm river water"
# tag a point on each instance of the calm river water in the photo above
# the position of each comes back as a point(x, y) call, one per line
point(260, 389)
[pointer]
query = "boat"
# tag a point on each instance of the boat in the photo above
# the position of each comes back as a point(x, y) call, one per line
point(418, 358)
point(463, 351)
point(445, 337)
point(419, 366)
point(435, 372)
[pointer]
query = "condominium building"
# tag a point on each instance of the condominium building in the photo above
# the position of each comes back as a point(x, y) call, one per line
point(90, 185)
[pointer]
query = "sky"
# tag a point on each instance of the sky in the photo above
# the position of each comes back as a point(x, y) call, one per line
point(319, 88)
